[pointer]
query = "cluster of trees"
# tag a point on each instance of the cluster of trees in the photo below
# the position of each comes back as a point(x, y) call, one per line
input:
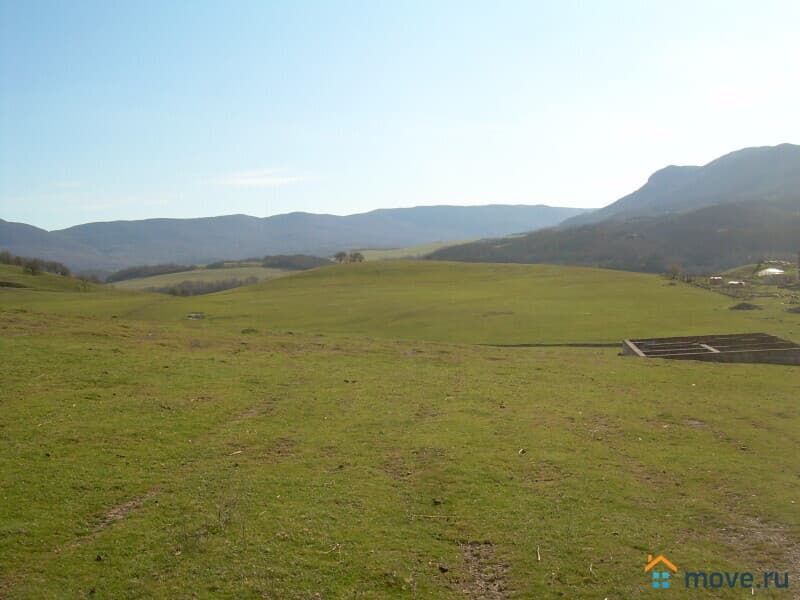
point(34, 266)
point(344, 257)
point(674, 271)
point(147, 271)
point(196, 288)
point(221, 264)
point(294, 262)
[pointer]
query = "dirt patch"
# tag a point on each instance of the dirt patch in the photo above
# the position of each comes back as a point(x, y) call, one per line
point(648, 477)
point(196, 344)
point(773, 545)
point(425, 411)
point(114, 514)
point(487, 576)
point(745, 306)
point(120, 511)
point(396, 467)
point(400, 467)
point(794, 310)
point(541, 473)
point(280, 449)
point(426, 456)
point(600, 428)
point(695, 423)
point(267, 407)
point(5, 587)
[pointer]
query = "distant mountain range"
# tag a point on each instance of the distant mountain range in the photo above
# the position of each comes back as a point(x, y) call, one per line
point(737, 209)
point(119, 244)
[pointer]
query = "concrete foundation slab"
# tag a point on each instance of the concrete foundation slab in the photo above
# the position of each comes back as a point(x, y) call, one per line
point(731, 347)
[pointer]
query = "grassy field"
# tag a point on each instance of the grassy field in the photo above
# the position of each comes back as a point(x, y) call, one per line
point(749, 272)
point(488, 304)
point(339, 433)
point(409, 252)
point(201, 274)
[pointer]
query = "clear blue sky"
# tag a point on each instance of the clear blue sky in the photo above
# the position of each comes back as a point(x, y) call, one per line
point(114, 110)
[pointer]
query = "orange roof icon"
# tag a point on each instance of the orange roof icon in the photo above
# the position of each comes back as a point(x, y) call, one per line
point(652, 562)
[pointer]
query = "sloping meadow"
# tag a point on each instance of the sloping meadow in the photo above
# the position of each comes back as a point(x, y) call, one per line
point(250, 455)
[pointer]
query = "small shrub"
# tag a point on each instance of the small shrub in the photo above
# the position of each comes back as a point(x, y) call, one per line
point(745, 306)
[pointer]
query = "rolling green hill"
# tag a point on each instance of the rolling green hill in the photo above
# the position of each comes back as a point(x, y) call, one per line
point(13, 278)
point(409, 252)
point(466, 303)
point(446, 302)
point(337, 433)
point(201, 274)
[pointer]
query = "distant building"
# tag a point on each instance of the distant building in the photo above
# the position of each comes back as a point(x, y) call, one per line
point(771, 271)
point(715, 280)
point(736, 283)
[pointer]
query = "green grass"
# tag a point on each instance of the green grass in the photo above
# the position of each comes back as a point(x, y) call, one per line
point(201, 274)
point(445, 302)
point(145, 455)
point(14, 278)
point(750, 271)
point(478, 303)
point(417, 251)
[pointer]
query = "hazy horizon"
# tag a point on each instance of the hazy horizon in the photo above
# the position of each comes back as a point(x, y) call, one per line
point(283, 214)
point(186, 110)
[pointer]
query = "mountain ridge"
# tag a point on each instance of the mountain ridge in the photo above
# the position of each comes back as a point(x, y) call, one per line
point(738, 208)
point(755, 173)
point(111, 245)
point(711, 238)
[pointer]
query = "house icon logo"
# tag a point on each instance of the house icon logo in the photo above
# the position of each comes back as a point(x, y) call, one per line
point(659, 569)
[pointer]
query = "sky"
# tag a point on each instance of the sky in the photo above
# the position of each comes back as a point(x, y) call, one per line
point(133, 110)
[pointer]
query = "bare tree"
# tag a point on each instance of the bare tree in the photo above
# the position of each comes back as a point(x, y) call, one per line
point(33, 266)
point(674, 271)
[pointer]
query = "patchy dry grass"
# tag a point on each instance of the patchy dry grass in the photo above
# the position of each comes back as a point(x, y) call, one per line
point(200, 274)
point(197, 461)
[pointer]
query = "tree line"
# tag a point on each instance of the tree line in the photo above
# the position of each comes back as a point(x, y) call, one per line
point(196, 288)
point(34, 266)
point(352, 257)
point(147, 271)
